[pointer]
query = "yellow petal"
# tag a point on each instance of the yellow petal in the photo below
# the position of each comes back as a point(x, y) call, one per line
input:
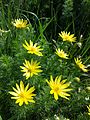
point(32, 101)
point(47, 81)
point(21, 103)
point(51, 78)
point(13, 93)
point(55, 96)
point(14, 97)
point(15, 90)
point(31, 90)
point(57, 79)
point(66, 90)
point(21, 86)
point(51, 92)
point(17, 87)
point(63, 81)
point(26, 88)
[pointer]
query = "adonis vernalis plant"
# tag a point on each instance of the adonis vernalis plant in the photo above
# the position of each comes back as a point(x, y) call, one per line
point(33, 48)
point(61, 53)
point(23, 94)
point(30, 68)
point(67, 36)
point(20, 23)
point(79, 63)
point(42, 57)
point(59, 87)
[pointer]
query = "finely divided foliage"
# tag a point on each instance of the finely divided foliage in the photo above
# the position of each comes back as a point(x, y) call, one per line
point(31, 51)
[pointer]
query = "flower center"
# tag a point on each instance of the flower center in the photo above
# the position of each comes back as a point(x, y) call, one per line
point(32, 49)
point(61, 54)
point(22, 95)
point(56, 89)
point(31, 69)
point(66, 37)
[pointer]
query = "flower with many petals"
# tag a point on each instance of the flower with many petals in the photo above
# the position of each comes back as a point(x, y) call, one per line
point(67, 37)
point(61, 53)
point(20, 23)
point(33, 49)
point(81, 65)
point(58, 87)
point(30, 68)
point(23, 94)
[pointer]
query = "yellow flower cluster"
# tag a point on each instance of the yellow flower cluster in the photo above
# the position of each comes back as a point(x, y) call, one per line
point(70, 38)
point(31, 68)
point(25, 94)
point(58, 87)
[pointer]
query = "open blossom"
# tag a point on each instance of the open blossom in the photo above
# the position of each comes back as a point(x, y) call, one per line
point(32, 48)
point(59, 88)
point(81, 65)
point(20, 23)
point(67, 37)
point(61, 53)
point(30, 68)
point(23, 94)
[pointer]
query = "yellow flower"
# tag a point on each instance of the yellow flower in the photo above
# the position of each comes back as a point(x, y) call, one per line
point(88, 109)
point(30, 68)
point(61, 53)
point(67, 37)
point(23, 95)
point(33, 49)
point(81, 65)
point(20, 23)
point(58, 87)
